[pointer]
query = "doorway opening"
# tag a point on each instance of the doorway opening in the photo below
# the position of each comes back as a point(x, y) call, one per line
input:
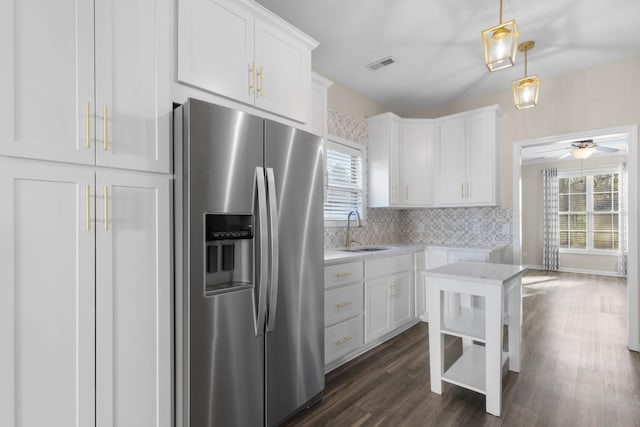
point(554, 150)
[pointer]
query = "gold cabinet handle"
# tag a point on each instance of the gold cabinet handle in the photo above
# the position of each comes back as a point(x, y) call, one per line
point(87, 112)
point(344, 274)
point(462, 191)
point(106, 208)
point(105, 129)
point(252, 78)
point(343, 340)
point(468, 190)
point(343, 304)
point(87, 195)
point(260, 81)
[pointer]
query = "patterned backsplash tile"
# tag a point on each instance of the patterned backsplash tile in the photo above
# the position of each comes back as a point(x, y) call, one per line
point(478, 226)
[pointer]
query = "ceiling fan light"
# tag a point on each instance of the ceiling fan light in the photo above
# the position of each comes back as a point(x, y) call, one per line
point(500, 45)
point(582, 153)
point(525, 92)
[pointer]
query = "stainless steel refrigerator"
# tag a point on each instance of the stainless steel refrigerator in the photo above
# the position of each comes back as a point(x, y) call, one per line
point(249, 268)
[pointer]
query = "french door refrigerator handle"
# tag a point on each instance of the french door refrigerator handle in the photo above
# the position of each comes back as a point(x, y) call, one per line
point(263, 251)
point(274, 257)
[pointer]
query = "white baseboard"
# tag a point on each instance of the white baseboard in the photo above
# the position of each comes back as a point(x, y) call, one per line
point(579, 270)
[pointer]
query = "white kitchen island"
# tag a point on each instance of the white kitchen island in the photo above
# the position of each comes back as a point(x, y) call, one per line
point(479, 325)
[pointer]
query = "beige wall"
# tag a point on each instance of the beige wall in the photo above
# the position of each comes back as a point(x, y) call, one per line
point(347, 101)
point(532, 217)
point(600, 97)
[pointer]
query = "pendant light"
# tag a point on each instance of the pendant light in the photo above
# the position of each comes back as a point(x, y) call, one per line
point(500, 44)
point(525, 90)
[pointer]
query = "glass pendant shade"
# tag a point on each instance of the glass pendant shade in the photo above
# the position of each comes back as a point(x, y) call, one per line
point(525, 92)
point(500, 45)
point(582, 153)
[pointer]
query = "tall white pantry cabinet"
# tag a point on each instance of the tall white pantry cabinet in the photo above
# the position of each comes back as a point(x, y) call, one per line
point(85, 227)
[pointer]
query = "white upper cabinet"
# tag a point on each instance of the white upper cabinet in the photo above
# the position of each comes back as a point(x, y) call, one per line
point(418, 151)
point(384, 160)
point(319, 114)
point(46, 76)
point(401, 154)
point(238, 49)
point(56, 97)
point(133, 108)
point(468, 159)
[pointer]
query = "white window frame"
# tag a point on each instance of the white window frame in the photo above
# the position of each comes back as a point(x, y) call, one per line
point(588, 173)
point(349, 147)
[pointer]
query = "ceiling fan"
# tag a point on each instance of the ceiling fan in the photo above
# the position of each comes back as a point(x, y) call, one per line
point(583, 149)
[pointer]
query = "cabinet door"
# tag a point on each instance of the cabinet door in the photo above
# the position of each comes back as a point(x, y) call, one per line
point(133, 353)
point(450, 185)
point(46, 80)
point(401, 298)
point(283, 72)
point(395, 182)
point(47, 295)
point(215, 48)
point(417, 163)
point(377, 308)
point(133, 104)
point(481, 158)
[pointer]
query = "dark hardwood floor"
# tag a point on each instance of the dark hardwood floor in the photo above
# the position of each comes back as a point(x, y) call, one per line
point(576, 369)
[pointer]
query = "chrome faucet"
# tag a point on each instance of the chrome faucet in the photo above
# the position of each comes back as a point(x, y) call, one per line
point(348, 240)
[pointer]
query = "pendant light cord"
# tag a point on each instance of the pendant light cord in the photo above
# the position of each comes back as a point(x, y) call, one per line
point(500, 12)
point(525, 62)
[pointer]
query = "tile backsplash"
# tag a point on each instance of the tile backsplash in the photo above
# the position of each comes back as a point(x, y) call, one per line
point(473, 226)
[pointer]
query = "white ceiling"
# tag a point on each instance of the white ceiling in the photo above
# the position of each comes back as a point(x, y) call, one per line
point(548, 152)
point(438, 48)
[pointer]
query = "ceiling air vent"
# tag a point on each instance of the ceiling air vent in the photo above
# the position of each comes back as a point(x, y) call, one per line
point(381, 63)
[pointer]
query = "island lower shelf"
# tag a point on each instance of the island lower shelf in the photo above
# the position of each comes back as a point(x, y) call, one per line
point(469, 370)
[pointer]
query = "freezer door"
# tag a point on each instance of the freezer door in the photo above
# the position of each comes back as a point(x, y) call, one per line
point(295, 347)
point(224, 366)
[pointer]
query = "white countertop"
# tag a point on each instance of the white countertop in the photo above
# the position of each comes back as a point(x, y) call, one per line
point(479, 271)
point(340, 255)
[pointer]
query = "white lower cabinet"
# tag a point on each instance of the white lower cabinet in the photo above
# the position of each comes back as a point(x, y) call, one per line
point(366, 303)
point(85, 296)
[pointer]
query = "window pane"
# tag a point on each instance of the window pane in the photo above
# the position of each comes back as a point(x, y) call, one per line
point(564, 239)
point(602, 202)
point(616, 182)
point(615, 202)
point(578, 184)
point(564, 222)
point(602, 240)
point(563, 185)
point(578, 240)
point(614, 224)
point(615, 242)
point(563, 203)
point(578, 222)
point(602, 222)
point(602, 183)
point(578, 203)
point(344, 182)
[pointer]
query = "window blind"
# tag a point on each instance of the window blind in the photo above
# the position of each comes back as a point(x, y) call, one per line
point(344, 182)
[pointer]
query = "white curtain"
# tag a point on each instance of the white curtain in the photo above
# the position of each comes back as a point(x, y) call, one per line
point(623, 221)
point(550, 237)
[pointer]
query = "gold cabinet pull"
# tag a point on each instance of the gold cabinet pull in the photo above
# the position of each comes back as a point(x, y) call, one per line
point(344, 274)
point(343, 304)
point(105, 130)
point(87, 195)
point(106, 208)
point(252, 78)
point(343, 340)
point(462, 191)
point(260, 81)
point(468, 190)
point(87, 112)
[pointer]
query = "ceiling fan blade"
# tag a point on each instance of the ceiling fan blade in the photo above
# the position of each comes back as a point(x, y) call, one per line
point(565, 155)
point(606, 149)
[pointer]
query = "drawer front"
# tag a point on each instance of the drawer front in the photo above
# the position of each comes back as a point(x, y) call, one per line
point(341, 274)
point(389, 265)
point(342, 338)
point(342, 303)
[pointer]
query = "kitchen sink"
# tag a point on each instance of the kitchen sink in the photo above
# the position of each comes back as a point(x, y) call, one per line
point(365, 249)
